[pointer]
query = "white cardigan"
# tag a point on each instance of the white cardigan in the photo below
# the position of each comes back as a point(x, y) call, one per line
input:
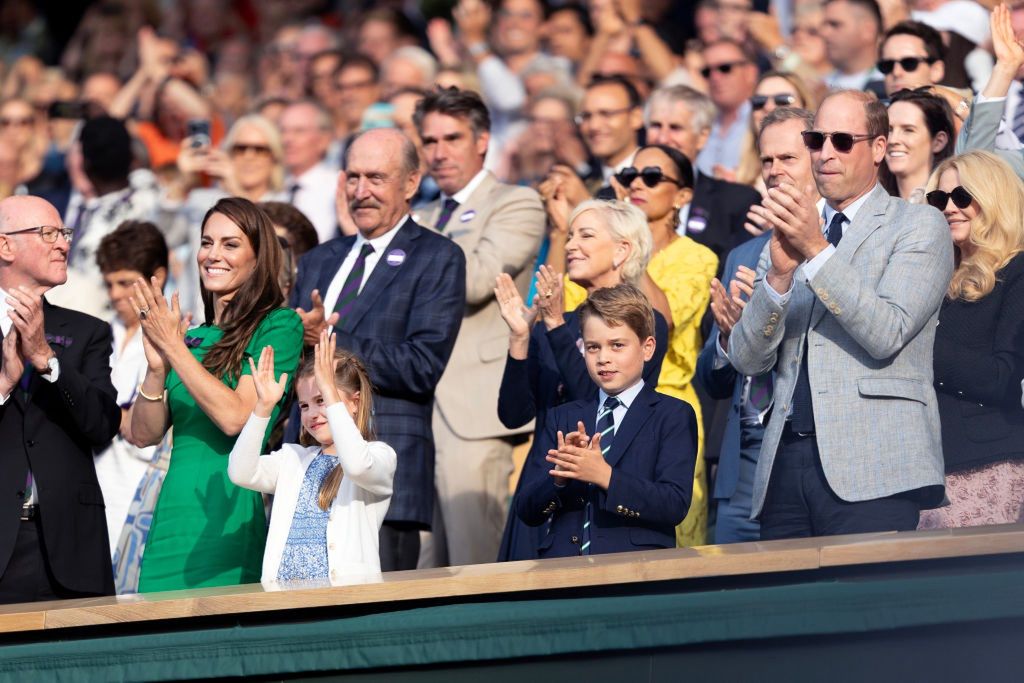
point(353, 526)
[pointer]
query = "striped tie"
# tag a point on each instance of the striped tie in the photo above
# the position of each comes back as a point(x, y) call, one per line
point(350, 290)
point(447, 209)
point(606, 428)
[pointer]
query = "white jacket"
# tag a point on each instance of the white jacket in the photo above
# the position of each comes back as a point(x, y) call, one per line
point(353, 527)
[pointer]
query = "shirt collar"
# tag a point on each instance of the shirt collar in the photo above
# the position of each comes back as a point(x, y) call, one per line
point(850, 212)
point(380, 242)
point(608, 171)
point(626, 396)
point(463, 195)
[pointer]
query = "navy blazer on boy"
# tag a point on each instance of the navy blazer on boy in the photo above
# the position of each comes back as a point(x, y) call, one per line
point(403, 327)
point(652, 457)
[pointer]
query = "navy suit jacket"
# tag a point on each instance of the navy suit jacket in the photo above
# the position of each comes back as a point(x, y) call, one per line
point(652, 459)
point(403, 327)
point(726, 382)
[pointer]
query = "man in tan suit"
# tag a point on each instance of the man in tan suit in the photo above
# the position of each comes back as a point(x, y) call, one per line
point(500, 228)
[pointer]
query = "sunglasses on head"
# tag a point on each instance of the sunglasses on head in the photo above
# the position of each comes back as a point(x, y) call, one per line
point(939, 199)
point(842, 142)
point(782, 100)
point(720, 68)
point(907, 64)
point(651, 175)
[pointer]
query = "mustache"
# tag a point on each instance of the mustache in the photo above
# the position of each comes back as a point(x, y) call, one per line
point(363, 204)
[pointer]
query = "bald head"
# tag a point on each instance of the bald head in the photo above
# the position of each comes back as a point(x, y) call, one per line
point(26, 258)
point(382, 175)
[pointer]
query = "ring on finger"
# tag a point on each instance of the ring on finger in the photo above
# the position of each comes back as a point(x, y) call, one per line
point(143, 312)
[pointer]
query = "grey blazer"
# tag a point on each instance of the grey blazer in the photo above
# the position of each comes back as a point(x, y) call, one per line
point(869, 317)
point(981, 130)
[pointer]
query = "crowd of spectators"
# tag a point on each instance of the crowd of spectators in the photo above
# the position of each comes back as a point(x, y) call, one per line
point(783, 235)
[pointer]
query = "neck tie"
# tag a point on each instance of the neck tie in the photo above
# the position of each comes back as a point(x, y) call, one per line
point(447, 209)
point(760, 393)
point(802, 417)
point(835, 229)
point(606, 428)
point(293, 191)
point(350, 290)
point(1017, 125)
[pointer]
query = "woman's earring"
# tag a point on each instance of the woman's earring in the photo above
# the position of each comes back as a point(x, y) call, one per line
point(615, 265)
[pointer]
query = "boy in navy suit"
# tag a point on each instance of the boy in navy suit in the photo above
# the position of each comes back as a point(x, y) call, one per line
point(627, 486)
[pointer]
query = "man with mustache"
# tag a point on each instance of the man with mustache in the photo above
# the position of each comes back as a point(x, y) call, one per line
point(57, 408)
point(500, 228)
point(846, 314)
point(394, 293)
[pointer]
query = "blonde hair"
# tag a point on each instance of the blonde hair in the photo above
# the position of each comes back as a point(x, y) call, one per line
point(350, 376)
point(273, 138)
point(997, 232)
point(626, 223)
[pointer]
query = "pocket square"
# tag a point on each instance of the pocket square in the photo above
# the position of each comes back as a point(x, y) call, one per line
point(59, 340)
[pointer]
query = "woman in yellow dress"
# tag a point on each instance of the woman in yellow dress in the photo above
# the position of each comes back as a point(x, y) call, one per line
point(660, 183)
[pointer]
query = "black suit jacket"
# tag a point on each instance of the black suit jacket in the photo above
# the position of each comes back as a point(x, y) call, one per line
point(57, 428)
point(979, 362)
point(721, 207)
point(403, 326)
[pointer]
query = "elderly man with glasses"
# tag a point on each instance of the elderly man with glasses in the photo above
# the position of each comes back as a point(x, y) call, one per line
point(57, 407)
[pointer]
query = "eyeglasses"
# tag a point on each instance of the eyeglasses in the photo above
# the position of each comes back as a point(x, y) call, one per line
point(357, 85)
point(22, 122)
point(241, 148)
point(843, 142)
point(782, 100)
point(651, 175)
point(907, 64)
point(723, 69)
point(586, 116)
point(939, 199)
point(47, 232)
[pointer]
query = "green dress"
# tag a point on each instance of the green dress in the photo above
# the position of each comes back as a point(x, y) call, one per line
point(206, 531)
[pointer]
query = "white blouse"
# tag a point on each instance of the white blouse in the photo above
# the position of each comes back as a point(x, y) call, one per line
point(355, 519)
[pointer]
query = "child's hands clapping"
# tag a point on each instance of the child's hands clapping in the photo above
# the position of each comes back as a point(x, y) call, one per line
point(268, 390)
point(324, 366)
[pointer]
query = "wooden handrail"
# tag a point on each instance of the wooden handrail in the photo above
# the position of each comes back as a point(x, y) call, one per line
point(512, 577)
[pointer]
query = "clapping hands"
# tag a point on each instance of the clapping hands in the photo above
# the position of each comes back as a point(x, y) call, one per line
point(268, 390)
point(579, 457)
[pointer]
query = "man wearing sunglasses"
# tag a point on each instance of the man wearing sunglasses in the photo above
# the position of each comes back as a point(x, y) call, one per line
point(500, 228)
point(730, 68)
point(57, 407)
point(846, 314)
point(911, 57)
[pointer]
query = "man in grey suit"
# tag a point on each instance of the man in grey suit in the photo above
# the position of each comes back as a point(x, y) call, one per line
point(500, 228)
point(846, 314)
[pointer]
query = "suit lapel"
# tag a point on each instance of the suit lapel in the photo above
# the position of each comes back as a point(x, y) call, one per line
point(636, 417)
point(383, 273)
point(462, 223)
point(867, 220)
point(332, 263)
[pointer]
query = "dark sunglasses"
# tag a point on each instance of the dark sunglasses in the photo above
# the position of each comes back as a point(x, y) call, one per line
point(843, 142)
point(241, 149)
point(939, 199)
point(782, 100)
point(651, 175)
point(720, 68)
point(907, 64)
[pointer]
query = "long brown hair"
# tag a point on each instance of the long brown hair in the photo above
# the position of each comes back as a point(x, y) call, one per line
point(350, 376)
point(257, 297)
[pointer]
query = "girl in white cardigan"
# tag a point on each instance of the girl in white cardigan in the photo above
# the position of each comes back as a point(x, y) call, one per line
point(331, 492)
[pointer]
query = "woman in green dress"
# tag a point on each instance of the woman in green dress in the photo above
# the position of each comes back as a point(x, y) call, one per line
point(206, 531)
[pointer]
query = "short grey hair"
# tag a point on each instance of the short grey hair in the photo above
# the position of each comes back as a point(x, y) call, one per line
point(699, 105)
point(784, 114)
point(627, 223)
point(425, 61)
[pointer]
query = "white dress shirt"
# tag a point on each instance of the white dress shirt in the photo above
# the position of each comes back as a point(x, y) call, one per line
point(314, 197)
point(463, 195)
point(380, 245)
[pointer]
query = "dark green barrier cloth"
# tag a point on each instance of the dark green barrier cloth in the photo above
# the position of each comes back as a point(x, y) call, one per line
point(508, 630)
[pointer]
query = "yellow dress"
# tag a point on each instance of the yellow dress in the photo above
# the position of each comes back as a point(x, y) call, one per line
point(683, 271)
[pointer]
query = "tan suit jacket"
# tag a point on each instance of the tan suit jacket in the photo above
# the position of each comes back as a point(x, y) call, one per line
point(500, 228)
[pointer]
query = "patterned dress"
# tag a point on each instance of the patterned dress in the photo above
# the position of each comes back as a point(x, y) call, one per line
point(305, 552)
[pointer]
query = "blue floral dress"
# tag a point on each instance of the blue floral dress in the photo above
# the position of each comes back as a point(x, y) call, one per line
point(305, 552)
